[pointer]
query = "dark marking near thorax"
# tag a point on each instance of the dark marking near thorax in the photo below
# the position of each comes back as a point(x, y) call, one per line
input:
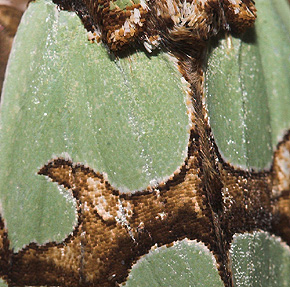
point(158, 22)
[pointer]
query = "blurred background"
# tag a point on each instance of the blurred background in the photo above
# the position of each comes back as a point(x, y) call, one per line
point(10, 15)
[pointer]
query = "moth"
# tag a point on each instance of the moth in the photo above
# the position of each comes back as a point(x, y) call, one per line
point(172, 24)
point(206, 199)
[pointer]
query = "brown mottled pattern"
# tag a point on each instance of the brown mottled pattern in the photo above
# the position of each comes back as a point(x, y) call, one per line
point(102, 248)
point(242, 20)
point(206, 199)
point(110, 19)
point(158, 20)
